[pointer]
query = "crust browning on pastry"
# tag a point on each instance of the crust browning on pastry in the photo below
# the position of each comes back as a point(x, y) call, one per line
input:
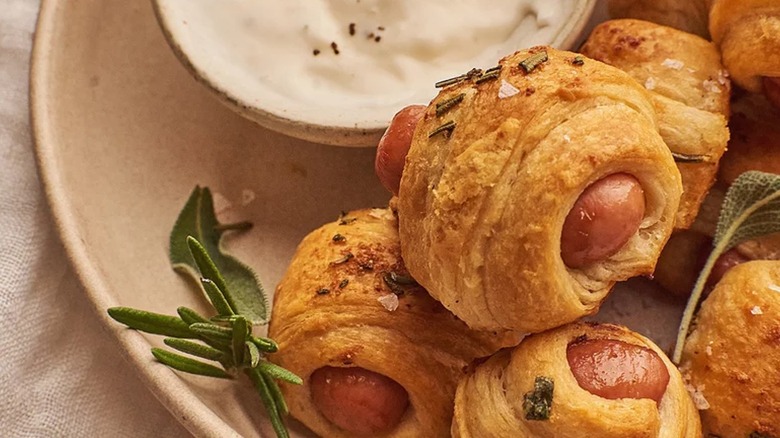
point(755, 138)
point(489, 402)
point(690, 91)
point(327, 312)
point(687, 15)
point(481, 207)
point(748, 34)
point(730, 359)
point(754, 144)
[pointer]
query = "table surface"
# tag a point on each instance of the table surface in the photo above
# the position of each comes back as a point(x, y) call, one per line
point(61, 375)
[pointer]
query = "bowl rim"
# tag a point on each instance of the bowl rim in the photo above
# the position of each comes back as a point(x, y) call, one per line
point(314, 131)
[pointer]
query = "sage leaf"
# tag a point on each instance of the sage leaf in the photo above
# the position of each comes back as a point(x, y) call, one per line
point(150, 322)
point(751, 209)
point(268, 401)
point(278, 372)
point(188, 365)
point(198, 219)
point(193, 348)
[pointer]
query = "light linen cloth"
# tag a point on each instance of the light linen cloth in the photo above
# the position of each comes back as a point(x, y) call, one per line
point(61, 375)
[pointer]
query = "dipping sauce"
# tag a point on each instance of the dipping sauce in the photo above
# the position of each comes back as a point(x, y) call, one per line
point(315, 56)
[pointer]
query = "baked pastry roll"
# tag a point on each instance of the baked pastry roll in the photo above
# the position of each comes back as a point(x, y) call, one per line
point(754, 145)
point(690, 91)
point(687, 15)
point(748, 34)
point(580, 380)
point(755, 138)
point(730, 358)
point(378, 356)
point(494, 168)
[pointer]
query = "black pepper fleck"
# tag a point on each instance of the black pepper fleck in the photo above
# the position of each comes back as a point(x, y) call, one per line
point(339, 238)
point(323, 291)
point(335, 47)
point(343, 283)
point(316, 52)
point(351, 29)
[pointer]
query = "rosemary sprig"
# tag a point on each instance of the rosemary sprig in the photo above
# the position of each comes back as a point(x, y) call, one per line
point(751, 209)
point(225, 338)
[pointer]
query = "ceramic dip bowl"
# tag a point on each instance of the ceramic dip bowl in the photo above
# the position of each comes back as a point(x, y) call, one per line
point(336, 71)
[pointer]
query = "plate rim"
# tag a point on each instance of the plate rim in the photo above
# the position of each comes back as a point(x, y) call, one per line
point(163, 383)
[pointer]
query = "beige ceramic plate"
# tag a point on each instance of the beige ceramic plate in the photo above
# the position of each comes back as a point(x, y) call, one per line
point(223, 47)
point(123, 134)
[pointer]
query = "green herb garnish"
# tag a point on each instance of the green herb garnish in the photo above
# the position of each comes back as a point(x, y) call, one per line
point(489, 74)
point(239, 301)
point(445, 129)
point(347, 257)
point(686, 158)
point(537, 404)
point(751, 209)
point(398, 283)
point(236, 280)
point(533, 61)
point(474, 72)
point(443, 107)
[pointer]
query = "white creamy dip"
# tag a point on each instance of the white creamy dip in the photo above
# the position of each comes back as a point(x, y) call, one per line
point(390, 52)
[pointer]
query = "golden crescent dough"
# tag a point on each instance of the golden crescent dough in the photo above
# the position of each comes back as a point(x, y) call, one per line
point(489, 402)
point(755, 138)
point(481, 209)
point(748, 34)
point(690, 90)
point(754, 145)
point(731, 357)
point(420, 344)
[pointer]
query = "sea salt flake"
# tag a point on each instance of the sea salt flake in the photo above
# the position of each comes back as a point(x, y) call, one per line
point(723, 77)
point(381, 213)
point(675, 64)
point(506, 90)
point(708, 350)
point(566, 138)
point(711, 86)
point(756, 311)
point(774, 287)
point(650, 83)
point(247, 196)
point(697, 395)
point(389, 301)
